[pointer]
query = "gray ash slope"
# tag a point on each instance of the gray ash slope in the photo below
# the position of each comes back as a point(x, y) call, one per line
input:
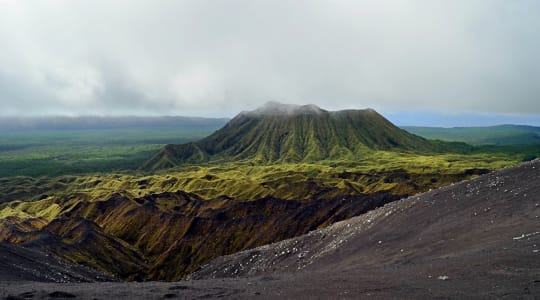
point(478, 239)
point(475, 238)
point(22, 264)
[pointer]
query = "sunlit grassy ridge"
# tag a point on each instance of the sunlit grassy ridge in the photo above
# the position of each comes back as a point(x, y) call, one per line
point(244, 180)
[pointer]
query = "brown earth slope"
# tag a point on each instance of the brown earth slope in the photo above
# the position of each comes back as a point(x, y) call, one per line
point(150, 229)
point(166, 236)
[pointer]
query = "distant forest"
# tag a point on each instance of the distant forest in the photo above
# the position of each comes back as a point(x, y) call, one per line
point(94, 122)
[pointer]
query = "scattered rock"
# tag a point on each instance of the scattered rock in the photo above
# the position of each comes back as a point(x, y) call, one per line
point(27, 295)
point(60, 294)
point(178, 287)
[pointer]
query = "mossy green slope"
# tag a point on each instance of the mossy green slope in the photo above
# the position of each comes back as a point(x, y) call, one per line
point(278, 133)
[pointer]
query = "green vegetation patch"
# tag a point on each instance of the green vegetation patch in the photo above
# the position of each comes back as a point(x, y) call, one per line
point(61, 152)
point(502, 135)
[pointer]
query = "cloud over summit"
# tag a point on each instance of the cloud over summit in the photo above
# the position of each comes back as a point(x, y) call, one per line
point(220, 57)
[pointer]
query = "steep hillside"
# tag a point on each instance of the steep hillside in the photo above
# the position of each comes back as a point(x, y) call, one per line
point(475, 239)
point(278, 133)
point(22, 264)
point(166, 236)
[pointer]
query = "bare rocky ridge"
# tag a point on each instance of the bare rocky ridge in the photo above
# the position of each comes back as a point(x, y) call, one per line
point(477, 239)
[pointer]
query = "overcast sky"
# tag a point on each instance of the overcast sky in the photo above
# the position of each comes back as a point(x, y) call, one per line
point(215, 58)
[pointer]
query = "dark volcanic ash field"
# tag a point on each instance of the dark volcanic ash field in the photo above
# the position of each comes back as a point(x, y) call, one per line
point(477, 239)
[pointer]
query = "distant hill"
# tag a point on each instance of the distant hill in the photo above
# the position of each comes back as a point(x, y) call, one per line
point(293, 133)
point(502, 135)
point(94, 122)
